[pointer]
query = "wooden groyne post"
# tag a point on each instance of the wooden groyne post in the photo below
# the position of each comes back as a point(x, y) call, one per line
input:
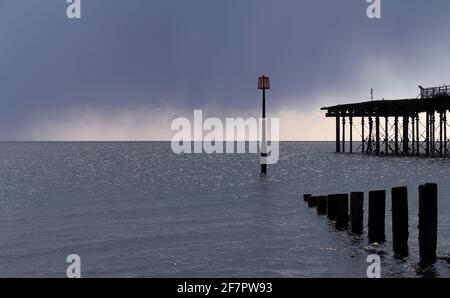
point(400, 226)
point(342, 210)
point(312, 202)
point(428, 209)
point(377, 206)
point(332, 207)
point(357, 211)
point(322, 205)
point(306, 197)
point(336, 208)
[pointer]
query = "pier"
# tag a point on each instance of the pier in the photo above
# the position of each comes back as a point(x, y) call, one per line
point(408, 127)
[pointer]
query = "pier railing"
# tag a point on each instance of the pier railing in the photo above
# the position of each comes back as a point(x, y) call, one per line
point(434, 92)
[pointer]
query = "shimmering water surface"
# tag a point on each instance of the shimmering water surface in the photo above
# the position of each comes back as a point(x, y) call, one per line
point(137, 209)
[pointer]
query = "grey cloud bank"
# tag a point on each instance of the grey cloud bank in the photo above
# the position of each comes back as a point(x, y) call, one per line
point(173, 55)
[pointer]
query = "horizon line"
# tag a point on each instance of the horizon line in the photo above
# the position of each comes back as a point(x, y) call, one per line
point(136, 141)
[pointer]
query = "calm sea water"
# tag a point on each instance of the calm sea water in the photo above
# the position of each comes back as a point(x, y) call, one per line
point(137, 209)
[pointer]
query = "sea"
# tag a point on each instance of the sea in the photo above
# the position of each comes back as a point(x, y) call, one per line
point(136, 209)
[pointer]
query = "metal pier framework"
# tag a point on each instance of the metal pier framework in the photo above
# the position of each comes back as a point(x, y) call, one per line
point(409, 127)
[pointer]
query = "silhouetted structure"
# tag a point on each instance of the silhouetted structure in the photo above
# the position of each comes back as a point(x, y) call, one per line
point(377, 215)
point(263, 84)
point(428, 221)
point(396, 127)
point(336, 208)
point(400, 218)
point(357, 211)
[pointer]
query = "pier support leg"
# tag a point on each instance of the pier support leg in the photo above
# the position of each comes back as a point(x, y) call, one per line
point(445, 132)
point(400, 232)
point(377, 206)
point(377, 135)
point(413, 136)
point(343, 134)
point(357, 211)
point(418, 135)
point(396, 134)
point(369, 145)
point(427, 134)
point(351, 134)
point(428, 222)
point(405, 135)
point(386, 136)
point(432, 133)
point(338, 136)
point(441, 134)
point(363, 140)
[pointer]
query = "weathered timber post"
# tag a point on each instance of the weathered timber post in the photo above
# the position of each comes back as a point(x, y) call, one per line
point(312, 201)
point(342, 211)
point(306, 197)
point(357, 211)
point(377, 206)
point(322, 205)
point(428, 213)
point(400, 232)
point(332, 205)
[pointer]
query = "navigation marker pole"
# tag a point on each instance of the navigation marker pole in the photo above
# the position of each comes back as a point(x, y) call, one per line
point(263, 84)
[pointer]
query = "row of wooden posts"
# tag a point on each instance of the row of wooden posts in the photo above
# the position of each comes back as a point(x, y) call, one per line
point(336, 208)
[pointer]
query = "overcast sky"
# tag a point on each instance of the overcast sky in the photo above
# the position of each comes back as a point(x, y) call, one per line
point(127, 68)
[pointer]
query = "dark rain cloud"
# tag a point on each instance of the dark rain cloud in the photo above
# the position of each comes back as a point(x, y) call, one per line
point(194, 53)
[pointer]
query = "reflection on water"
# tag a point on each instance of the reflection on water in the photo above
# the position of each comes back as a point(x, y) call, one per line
point(137, 209)
point(426, 270)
